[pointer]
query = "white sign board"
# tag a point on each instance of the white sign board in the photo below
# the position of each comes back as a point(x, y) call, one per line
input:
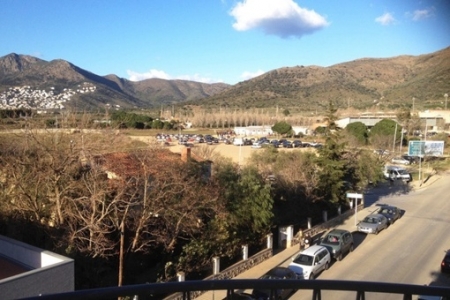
point(434, 148)
point(354, 196)
point(426, 148)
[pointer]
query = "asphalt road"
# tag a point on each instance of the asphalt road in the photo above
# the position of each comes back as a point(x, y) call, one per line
point(409, 251)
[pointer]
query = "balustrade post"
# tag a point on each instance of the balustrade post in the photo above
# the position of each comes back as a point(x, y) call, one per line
point(216, 265)
point(325, 216)
point(270, 241)
point(181, 276)
point(245, 252)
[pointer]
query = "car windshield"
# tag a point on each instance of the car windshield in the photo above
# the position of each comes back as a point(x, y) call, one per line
point(303, 259)
point(401, 171)
point(332, 239)
point(386, 211)
point(370, 220)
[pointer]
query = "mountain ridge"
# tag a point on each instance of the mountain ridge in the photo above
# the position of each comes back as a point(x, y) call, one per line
point(361, 83)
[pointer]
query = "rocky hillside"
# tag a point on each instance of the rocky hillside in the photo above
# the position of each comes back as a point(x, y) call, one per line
point(363, 83)
point(59, 75)
point(387, 83)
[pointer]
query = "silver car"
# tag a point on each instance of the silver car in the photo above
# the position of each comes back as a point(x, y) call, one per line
point(373, 224)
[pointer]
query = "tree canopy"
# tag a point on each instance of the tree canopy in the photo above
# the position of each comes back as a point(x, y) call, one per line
point(359, 131)
point(282, 127)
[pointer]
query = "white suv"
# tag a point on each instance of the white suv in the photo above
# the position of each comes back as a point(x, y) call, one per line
point(310, 262)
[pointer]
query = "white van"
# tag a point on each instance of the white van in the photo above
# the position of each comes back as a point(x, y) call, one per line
point(238, 142)
point(397, 173)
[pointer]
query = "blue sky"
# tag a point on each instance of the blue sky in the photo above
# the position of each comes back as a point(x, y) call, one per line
point(219, 40)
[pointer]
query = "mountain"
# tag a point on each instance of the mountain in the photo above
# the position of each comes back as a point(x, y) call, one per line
point(59, 75)
point(387, 83)
point(363, 83)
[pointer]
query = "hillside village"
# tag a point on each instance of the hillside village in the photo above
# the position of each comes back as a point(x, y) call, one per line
point(25, 97)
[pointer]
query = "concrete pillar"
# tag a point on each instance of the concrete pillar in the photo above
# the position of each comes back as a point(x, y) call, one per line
point(270, 241)
point(309, 223)
point(245, 252)
point(325, 215)
point(216, 265)
point(181, 276)
point(289, 236)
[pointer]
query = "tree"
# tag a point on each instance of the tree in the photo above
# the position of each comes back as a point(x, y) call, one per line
point(244, 216)
point(282, 127)
point(359, 131)
point(383, 133)
point(330, 161)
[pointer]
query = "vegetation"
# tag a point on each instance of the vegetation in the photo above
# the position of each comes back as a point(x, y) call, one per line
point(282, 128)
point(359, 132)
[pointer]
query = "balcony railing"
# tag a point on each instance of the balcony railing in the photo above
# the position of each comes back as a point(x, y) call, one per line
point(187, 289)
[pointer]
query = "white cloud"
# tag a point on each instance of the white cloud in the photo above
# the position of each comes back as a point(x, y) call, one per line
point(198, 78)
point(135, 76)
point(421, 14)
point(386, 19)
point(249, 75)
point(283, 18)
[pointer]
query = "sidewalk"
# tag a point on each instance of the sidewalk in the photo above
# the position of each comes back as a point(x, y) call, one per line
point(281, 257)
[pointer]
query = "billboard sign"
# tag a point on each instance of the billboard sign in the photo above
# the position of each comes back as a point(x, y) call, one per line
point(426, 148)
point(416, 148)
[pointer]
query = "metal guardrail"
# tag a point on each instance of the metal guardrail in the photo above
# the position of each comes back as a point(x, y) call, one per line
point(230, 272)
point(156, 290)
point(325, 226)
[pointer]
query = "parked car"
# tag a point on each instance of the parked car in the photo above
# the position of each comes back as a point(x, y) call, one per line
point(373, 223)
point(257, 145)
point(391, 213)
point(338, 242)
point(275, 273)
point(297, 144)
point(381, 152)
point(287, 144)
point(445, 264)
point(239, 296)
point(310, 262)
point(275, 143)
point(400, 161)
point(396, 173)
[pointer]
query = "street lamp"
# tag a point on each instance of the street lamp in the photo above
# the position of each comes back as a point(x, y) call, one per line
point(445, 96)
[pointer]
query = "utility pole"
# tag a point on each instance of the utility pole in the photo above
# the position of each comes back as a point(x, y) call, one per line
point(445, 96)
point(395, 137)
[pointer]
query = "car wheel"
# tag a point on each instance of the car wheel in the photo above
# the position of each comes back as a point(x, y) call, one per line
point(352, 248)
point(311, 276)
point(339, 257)
point(326, 266)
point(376, 231)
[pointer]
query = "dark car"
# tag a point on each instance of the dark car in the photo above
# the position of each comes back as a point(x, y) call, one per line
point(391, 213)
point(276, 273)
point(275, 143)
point(239, 296)
point(287, 144)
point(338, 242)
point(445, 264)
point(297, 144)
